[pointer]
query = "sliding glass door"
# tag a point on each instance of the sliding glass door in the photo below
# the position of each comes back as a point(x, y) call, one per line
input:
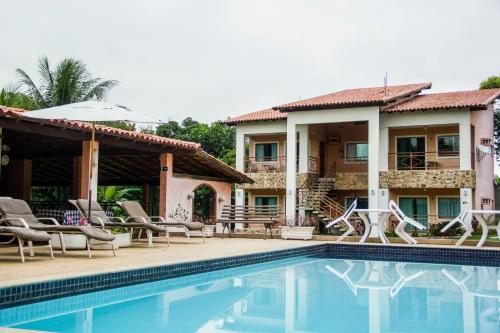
point(415, 207)
point(410, 153)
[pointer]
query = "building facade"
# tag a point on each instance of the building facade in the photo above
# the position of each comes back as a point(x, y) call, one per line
point(431, 153)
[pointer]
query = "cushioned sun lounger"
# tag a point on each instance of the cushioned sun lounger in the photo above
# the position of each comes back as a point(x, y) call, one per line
point(23, 234)
point(138, 214)
point(98, 217)
point(17, 213)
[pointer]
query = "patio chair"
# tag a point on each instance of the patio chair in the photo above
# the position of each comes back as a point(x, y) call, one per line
point(98, 217)
point(138, 214)
point(464, 220)
point(17, 213)
point(24, 234)
point(345, 218)
point(404, 220)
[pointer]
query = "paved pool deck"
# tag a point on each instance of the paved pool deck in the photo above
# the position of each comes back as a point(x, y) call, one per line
point(76, 263)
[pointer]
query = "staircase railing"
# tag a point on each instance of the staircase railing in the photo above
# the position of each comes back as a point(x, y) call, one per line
point(318, 200)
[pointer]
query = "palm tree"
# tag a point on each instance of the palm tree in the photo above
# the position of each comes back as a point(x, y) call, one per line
point(70, 82)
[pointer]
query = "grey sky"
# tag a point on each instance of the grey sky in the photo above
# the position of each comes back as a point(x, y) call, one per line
point(213, 59)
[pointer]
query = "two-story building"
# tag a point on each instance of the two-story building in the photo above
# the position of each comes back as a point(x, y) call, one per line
point(431, 152)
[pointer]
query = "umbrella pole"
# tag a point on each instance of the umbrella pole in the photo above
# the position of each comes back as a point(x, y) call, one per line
point(91, 170)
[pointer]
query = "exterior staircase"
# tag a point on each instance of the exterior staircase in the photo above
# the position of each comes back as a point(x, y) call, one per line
point(316, 200)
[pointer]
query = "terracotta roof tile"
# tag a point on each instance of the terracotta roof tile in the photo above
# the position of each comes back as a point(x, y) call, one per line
point(355, 97)
point(191, 147)
point(267, 114)
point(101, 129)
point(458, 99)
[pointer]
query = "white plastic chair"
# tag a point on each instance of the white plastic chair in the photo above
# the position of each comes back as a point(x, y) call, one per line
point(464, 220)
point(345, 218)
point(404, 220)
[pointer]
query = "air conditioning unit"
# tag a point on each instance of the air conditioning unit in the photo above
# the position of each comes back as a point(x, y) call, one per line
point(486, 201)
point(334, 139)
point(486, 142)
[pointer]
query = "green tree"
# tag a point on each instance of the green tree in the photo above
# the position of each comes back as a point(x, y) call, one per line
point(216, 138)
point(489, 83)
point(11, 96)
point(69, 82)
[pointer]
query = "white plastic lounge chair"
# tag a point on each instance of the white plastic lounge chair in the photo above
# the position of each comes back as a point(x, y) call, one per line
point(345, 218)
point(404, 220)
point(465, 221)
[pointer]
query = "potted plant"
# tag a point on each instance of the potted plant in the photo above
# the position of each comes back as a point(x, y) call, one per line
point(123, 238)
point(71, 241)
point(297, 228)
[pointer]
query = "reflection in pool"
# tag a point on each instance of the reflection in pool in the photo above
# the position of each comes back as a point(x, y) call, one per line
point(294, 295)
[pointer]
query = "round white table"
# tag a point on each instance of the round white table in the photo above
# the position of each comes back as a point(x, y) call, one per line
point(383, 218)
point(481, 216)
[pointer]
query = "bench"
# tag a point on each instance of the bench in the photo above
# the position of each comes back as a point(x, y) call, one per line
point(265, 215)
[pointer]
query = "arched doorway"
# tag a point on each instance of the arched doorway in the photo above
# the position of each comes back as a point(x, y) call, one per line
point(204, 203)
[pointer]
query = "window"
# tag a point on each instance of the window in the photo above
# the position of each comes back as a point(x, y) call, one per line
point(266, 152)
point(410, 153)
point(416, 208)
point(266, 201)
point(448, 207)
point(448, 145)
point(356, 152)
point(362, 202)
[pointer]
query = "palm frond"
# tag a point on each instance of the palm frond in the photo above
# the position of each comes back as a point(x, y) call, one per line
point(99, 90)
point(32, 89)
point(45, 73)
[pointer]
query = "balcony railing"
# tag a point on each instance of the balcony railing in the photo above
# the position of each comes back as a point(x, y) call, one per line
point(276, 164)
point(429, 160)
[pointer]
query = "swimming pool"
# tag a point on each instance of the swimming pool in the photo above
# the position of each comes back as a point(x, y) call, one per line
point(301, 294)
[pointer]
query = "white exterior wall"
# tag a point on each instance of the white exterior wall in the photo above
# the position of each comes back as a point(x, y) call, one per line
point(297, 118)
point(244, 129)
point(462, 117)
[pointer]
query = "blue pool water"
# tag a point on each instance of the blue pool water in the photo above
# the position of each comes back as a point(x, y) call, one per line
point(303, 294)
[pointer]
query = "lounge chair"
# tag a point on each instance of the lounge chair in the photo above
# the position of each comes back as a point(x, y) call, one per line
point(465, 221)
point(137, 214)
point(17, 213)
point(404, 220)
point(24, 234)
point(345, 218)
point(98, 217)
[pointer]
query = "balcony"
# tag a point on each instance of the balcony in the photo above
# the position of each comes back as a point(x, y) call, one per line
point(276, 164)
point(427, 170)
point(425, 160)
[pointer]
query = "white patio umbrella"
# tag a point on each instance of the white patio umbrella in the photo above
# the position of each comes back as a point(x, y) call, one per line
point(90, 111)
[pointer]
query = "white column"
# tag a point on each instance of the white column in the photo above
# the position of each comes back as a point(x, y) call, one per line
point(465, 146)
point(383, 144)
point(466, 199)
point(240, 150)
point(373, 167)
point(303, 131)
point(291, 155)
point(383, 164)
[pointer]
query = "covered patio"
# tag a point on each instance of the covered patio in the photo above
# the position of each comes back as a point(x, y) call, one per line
point(56, 153)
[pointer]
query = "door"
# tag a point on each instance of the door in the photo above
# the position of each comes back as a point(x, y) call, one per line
point(321, 159)
point(410, 153)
